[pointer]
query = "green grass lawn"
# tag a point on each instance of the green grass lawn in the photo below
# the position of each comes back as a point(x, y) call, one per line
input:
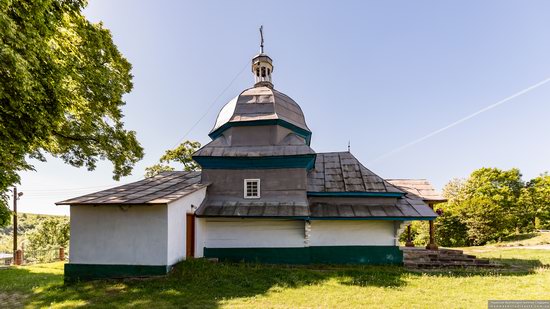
point(529, 239)
point(201, 284)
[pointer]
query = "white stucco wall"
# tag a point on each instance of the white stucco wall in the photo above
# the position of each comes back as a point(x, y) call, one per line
point(177, 226)
point(200, 236)
point(250, 233)
point(352, 233)
point(119, 236)
point(136, 235)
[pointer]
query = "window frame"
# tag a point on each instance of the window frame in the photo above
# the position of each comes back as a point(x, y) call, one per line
point(245, 191)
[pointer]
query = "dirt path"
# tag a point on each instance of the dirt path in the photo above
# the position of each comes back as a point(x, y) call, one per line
point(12, 300)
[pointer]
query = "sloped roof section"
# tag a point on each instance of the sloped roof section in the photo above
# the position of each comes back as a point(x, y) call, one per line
point(253, 151)
point(419, 187)
point(213, 208)
point(342, 172)
point(408, 208)
point(261, 103)
point(161, 189)
point(404, 209)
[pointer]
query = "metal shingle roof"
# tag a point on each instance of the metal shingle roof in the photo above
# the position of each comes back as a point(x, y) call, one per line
point(342, 172)
point(419, 187)
point(160, 189)
point(261, 103)
point(215, 208)
point(213, 150)
point(404, 208)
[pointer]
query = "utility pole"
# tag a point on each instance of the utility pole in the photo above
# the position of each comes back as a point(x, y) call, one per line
point(14, 222)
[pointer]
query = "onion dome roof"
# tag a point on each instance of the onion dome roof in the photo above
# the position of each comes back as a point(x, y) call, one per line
point(261, 104)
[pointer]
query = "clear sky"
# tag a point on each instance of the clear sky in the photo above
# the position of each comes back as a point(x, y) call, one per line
point(378, 73)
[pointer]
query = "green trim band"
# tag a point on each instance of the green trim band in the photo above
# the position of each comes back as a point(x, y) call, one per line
point(300, 131)
point(271, 162)
point(325, 218)
point(379, 255)
point(375, 218)
point(356, 194)
point(76, 272)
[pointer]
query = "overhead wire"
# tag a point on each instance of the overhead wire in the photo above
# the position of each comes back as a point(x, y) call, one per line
point(212, 104)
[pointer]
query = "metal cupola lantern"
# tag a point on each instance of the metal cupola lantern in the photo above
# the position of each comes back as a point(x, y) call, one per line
point(262, 66)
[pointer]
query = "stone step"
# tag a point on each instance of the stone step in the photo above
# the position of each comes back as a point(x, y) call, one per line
point(482, 262)
point(448, 265)
point(423, 258)
point(455, 258)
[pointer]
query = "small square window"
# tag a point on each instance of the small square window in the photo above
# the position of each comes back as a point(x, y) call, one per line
point(251, 188)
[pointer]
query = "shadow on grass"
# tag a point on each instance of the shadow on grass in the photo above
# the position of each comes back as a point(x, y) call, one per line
point(202, 284)
point(526, 265)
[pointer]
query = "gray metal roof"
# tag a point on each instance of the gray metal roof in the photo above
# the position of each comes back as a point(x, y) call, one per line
point(252, 151)
point(419, 187)
point(160, 189)
point(342, 172)
point(252, 209)
point(261, 103)
point(404, 208)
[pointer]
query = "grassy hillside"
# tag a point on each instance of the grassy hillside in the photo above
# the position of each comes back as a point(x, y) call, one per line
point(26, 223)
point(531, 239)
point(201, 284)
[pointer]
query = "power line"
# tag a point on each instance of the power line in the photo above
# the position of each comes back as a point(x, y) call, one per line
point(212, 104)
point(461, 120)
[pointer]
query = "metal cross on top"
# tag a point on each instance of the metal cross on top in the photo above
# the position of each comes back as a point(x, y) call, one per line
point(262, 39)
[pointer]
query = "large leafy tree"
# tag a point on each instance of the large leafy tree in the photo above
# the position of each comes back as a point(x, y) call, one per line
point(535, 202)
point(44, 241)
point(484, 207)
point(61, 85)
point(503, 189)
point(182, 154)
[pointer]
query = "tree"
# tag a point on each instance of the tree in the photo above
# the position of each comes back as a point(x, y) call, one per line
point(535, 202)
point(501, 187)
point(61, 85)
point(181, 154)
point(482, 217)
point(45, 240)
point(156, 169)
point(482, 208)
point(454, 192)
point(451, 230)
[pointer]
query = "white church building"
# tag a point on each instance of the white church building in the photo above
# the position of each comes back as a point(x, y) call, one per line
point(262, 195)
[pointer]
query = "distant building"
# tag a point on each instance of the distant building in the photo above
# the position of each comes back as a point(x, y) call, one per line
point(5, 258)
point(263, 195)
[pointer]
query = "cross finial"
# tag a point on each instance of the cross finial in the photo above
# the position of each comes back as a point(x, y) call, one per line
point(262, 39)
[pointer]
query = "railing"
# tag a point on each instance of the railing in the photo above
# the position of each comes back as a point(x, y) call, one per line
point(45, 255)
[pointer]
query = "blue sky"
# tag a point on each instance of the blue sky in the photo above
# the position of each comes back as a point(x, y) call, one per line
point(378, 73)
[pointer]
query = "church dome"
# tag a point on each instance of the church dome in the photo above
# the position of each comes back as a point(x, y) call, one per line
point(261, 104)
